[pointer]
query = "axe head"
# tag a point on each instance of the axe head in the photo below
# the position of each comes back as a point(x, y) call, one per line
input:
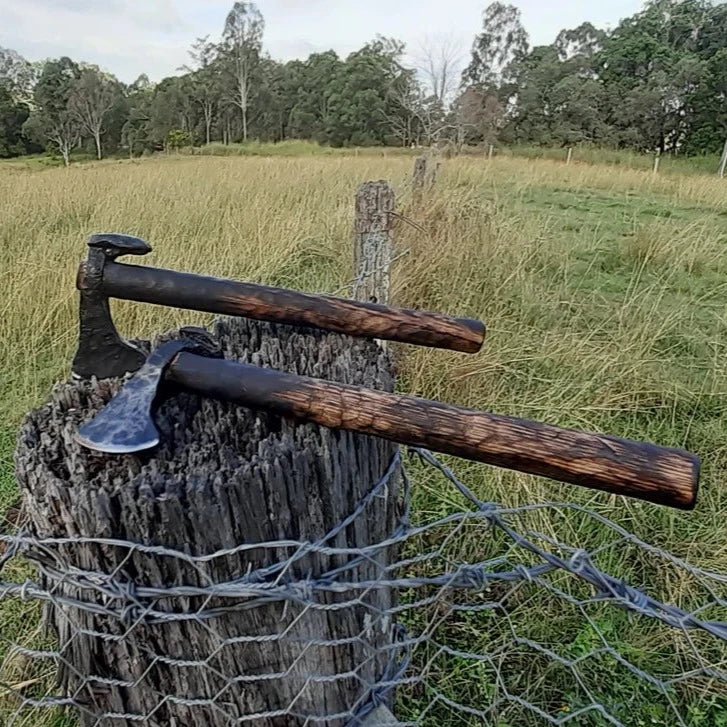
point(126, 424)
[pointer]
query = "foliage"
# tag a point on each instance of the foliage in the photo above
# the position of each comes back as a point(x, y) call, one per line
point(53, 117)
point(239, 54)
point(17, 75)
point(91, 98)
point(657, 82)
point(13, 115)
point(502, 42)
point(178, 138)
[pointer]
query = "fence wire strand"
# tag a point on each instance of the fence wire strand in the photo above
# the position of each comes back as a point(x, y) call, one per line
point(494, 619)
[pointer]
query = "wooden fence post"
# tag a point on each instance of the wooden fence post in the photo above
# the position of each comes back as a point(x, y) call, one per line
point(490, 152)
point(374, 251)
point(225, 476)
point(418, 181)
point(657, 159)
point(426, 168)
point(373, 248)
point(380, 717)
point(570, 155)
point(723, 161)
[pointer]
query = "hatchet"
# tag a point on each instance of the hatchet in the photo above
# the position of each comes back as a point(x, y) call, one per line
point(126, 425)
point(103, 353)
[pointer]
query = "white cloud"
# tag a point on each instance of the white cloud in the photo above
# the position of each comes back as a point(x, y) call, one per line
point(122, 36)
point(130, 37)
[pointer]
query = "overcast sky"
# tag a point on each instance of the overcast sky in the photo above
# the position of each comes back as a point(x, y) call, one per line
point(130, 37)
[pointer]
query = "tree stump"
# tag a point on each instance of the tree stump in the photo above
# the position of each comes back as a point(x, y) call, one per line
point(223, 477)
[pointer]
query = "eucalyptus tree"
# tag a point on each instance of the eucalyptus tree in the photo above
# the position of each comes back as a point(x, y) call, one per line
point(240, 51)
point(91, 98)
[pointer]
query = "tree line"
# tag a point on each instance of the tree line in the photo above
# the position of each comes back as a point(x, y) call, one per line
point(657, 81)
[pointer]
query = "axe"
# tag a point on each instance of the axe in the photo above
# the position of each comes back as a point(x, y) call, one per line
point(103, 353)
point(126, 425)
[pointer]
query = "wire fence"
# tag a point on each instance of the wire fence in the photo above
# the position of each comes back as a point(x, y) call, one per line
point(493, 619)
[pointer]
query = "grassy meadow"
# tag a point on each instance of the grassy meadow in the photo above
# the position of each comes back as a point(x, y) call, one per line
point(605, 293)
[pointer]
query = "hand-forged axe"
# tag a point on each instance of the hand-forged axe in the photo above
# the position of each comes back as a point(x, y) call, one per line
point(658, 474)
point(103, 353)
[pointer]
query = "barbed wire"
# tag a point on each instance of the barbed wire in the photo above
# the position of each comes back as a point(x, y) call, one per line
point(467, 635)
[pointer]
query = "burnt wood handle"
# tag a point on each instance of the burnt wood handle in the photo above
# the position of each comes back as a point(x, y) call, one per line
point(659, 474)
point(261, 302)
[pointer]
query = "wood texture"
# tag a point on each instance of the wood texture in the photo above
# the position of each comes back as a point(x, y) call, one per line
point(650, 472)
point(373, 242)
point(223, 476)
point(228, 297)
point(426, 169)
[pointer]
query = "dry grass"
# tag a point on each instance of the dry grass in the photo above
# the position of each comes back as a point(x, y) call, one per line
point(605, 291)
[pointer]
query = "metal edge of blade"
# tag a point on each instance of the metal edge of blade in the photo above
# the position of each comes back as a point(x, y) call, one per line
point(114, 448)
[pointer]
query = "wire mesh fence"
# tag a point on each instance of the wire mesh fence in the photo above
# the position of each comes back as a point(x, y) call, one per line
point(497, 615)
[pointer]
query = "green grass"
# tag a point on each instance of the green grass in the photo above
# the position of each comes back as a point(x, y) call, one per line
point(605, 293)
point(289, 148)
point(668, 164)
point(8, 487)
point(36, 162)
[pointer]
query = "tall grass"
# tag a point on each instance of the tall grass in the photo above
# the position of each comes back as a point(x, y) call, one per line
point(605, 291)
point(669, 163)
point(674, 164)
point(288, 148)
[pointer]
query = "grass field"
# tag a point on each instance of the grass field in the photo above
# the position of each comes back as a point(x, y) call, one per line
point(669, 164)
point(604, 289)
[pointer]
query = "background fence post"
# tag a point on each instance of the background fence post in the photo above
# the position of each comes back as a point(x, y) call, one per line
point(657, 159)
point(723, 162)
point(419, 179)
point(373, 247)
point(570, 155)
point(490, 152)
point(374, 251)
point(426, 167)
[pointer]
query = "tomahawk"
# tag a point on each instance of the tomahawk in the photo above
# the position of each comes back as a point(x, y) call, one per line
point(659, 474)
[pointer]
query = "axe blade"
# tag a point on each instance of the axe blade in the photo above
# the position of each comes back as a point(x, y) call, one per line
point(126, 424)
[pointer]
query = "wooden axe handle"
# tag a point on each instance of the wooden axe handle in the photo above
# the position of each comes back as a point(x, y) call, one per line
point(647, 471)
point(261, 302)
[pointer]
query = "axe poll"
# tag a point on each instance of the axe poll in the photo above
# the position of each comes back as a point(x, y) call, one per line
point(658, 474)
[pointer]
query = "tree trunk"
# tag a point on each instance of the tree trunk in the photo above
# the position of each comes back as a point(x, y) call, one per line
point(222, 477)
point(244, 122)
point(97, 139)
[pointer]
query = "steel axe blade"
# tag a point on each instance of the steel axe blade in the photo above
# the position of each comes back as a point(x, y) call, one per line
point(126, 424)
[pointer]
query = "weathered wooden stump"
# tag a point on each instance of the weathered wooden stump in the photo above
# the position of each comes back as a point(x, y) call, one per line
point(223, 477)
